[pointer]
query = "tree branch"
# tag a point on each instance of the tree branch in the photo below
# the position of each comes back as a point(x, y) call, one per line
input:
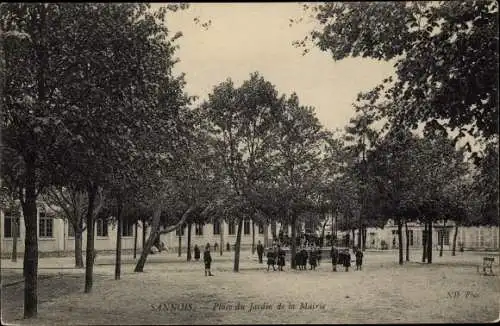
point(181, 221)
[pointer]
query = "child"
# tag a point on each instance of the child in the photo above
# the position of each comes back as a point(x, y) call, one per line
point(304, 258)
point(313, 257)
point(359, 259)
point(207, 258)
point(281, 258)
point(298, 259)
point(335, 258)
point(347, 259)
point(270, 258)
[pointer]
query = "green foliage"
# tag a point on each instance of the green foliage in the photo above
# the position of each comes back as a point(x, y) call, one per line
point(445, 55)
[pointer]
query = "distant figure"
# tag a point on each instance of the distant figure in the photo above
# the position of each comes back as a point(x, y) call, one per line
point(318, 253)
point(334, 254)
point(216, 245)
point(281, 258)
point(346, 259)
point(207, 259)
point(303, 258)
point(313, 257)
point(359, 259)
point(196, 253)
point(228, 247)
point(271, 258)
point(260, 251)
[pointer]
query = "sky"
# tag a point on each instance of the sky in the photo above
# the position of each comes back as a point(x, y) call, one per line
point(248, 37)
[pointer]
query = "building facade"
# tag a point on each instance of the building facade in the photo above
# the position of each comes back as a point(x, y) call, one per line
point(56, 235)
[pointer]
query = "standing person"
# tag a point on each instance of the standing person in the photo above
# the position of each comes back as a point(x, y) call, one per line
point(271, 258)
point(207, 259)
point(304, 257)
point(196, 253)
point(281, 258)
point(216, 245)
point(260, 251)
point(347, 259)
point(313, 257)
point(359, 259)
point(334, 253)
point(318, 253)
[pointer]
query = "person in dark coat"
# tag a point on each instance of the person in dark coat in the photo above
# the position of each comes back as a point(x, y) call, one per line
point(260, 251)
point(216, 245)
point(196, 253)
point(359, 259)
point(347, 260)
point(313, 257)
point(281, 258)
point(334, 253)
point(207, 259)
point(271, 258)
point(318, 253)
point(304, 258)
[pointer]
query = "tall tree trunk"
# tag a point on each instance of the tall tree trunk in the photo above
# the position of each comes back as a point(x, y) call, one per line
point(144, 229)
point(429, 243)
point(189, 242)
point(273, 229)
point(453, 252)
point(78, 247)
point(266, 234)
point(179, 250)
point(424, 243)
point(236, 267)
point(253, 237)
point(400, 240)
point(407, 235)
point(89, 266)
point(353, 237)
point(135, 238)
point(294, 242)
point(30, 263)
point(221, 250)
point(155, 232)
point(14, 231)
point(442, 239)
point(360, 230)
point(364, 238)
point(119, 226)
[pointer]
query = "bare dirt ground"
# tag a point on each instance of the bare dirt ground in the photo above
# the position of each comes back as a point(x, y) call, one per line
point(172, 291)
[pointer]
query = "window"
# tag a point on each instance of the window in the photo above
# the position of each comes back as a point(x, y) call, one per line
point(181, 229)
point(102, 228)
point(71, 230)
point(216, 227)
point(445, 236)
point(45, 226)
point(246, 227)
point(232, 228)
point(261, 228)
point(410, 237)
point(128, 229)
point(394, 232)
point(8, 226)
point(198, 229)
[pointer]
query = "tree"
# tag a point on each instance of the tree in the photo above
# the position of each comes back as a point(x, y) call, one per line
point(434, 47)
point(299, 162)
point(242, 121)
point(88, 112)
point(74, 204)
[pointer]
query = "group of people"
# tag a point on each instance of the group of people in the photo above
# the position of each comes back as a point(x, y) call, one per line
point(343, 257)
point(275, 256)
point(303, 255)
